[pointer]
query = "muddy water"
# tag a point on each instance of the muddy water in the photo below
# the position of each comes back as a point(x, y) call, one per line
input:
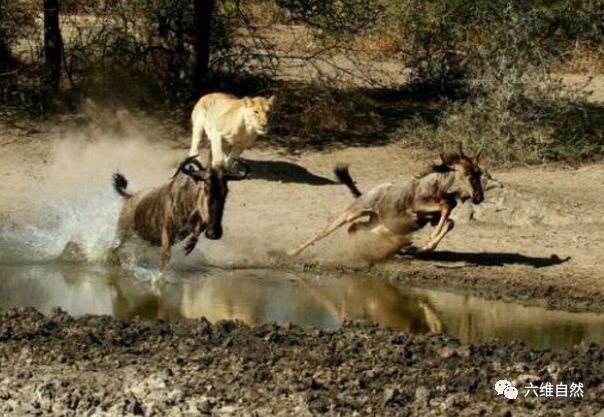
point(261, 296)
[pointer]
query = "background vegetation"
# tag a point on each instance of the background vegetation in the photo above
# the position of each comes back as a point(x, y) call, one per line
point(349, 72)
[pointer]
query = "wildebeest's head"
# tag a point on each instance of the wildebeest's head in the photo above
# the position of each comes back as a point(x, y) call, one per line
point(468, 174)
point(216, 189)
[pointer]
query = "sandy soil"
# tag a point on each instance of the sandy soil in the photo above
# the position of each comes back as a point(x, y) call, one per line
point(537, 240)
point(98, 366)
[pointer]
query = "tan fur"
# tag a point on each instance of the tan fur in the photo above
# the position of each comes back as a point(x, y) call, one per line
point(231, 124)
point(395, 211)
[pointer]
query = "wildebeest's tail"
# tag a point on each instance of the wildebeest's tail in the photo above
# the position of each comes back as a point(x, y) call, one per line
point(120, 183)
point(343, 175)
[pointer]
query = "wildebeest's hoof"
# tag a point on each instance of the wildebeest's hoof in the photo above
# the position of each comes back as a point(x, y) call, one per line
point(190, 246)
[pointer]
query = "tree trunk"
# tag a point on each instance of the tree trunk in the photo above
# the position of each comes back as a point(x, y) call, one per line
point(53, 47)
point(204, 10)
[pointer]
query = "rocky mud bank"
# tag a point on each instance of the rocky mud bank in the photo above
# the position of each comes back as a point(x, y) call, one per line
point(97, 366)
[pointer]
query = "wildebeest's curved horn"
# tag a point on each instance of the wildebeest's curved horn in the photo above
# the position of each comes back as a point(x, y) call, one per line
point(461, 150)
point(479, 151)
point(199, 174)
point(239, 176)
point(184, 164)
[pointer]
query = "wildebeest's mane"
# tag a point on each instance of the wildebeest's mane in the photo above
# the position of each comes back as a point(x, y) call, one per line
point(447, 160)
point(451, 158)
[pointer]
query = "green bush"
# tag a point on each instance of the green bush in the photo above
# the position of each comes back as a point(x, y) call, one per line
point(16, 20)
point(489, 61)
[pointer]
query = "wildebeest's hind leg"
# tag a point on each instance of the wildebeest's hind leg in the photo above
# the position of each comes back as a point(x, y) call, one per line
point(363, 225)
point(346, 217)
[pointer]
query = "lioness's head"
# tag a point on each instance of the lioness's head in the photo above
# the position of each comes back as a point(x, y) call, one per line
point(256, 113)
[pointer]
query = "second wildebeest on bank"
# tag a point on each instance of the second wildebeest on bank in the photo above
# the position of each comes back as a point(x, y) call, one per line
point(396, 210)
point(191, 202)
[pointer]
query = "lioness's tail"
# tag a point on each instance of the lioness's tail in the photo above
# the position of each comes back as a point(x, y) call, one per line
point(343, 175)
point(120, 183)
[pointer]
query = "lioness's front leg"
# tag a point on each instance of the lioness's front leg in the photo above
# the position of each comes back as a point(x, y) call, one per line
point(216, 148)
point(196, 137)
point(231, 158)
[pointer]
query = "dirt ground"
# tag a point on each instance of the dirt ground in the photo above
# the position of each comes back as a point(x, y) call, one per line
point(98, 366)
point(537, 240)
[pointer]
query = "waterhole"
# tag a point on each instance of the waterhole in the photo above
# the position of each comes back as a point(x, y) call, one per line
point(271, 296)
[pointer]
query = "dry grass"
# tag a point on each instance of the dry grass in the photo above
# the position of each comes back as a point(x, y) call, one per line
point(583, 59)
point(381, 44)
point(264, 13)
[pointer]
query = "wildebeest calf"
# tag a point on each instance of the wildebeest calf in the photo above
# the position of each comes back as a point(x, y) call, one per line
point(394, 211)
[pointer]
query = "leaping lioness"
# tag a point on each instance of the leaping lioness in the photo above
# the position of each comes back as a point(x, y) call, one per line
point(394, 211)
point(231, 124)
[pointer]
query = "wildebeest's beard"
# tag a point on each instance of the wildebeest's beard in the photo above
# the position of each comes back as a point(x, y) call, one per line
point(478, 195)
point(217, 193)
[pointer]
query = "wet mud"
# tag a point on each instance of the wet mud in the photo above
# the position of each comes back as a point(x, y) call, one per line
point(96, 365)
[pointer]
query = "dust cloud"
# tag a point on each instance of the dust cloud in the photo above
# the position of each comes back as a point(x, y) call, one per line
point(70, 195)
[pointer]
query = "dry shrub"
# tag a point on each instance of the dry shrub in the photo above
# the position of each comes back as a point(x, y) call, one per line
point(264, 12)
point(582, 59)
point(384, 43)
point(490, 60)
point(522, 120)
point(316, 117)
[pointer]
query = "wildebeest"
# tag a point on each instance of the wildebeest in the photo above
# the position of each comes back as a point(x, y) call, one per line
point(394, 211)
point(191, 202)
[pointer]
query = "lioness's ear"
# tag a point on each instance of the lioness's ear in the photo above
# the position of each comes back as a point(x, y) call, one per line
point(248, 102)
point(271, 100)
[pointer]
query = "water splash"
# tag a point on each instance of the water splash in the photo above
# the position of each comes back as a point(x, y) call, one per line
point(88, 219)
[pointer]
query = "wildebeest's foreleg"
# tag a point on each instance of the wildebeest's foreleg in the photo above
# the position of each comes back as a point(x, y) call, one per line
point(192, 241)
point(449, 224)
point(430, 208)
point(445, 211)
point(166, 243)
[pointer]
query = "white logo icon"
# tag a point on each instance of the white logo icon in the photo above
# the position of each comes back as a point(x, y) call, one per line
point(505, 387)
point(501, 385)
point(511, 393)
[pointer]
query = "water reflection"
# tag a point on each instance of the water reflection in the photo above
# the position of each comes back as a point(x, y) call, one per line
point(377, 300)
point(261, 296)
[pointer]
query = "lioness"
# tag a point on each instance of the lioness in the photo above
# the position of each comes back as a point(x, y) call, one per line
point(231, 124)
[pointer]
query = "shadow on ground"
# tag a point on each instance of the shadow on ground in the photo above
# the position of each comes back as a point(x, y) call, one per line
point(283, 171)
point(492, 258)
